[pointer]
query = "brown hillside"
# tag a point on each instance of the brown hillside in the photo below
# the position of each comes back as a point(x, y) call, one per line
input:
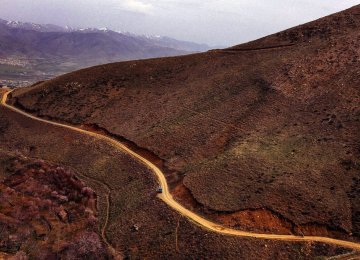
point(140, 225)
point(269, 125)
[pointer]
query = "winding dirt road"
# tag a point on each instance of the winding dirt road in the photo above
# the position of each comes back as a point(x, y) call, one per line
point(169, 200)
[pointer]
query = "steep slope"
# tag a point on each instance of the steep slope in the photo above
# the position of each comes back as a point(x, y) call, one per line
point(271, 125)
point(139, 224)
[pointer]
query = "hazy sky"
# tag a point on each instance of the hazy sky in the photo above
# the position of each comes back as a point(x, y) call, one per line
point(222, 22)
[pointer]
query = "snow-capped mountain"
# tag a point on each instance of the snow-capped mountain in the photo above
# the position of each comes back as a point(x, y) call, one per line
point(33, 26)
point(52, 50)
point(161, 41)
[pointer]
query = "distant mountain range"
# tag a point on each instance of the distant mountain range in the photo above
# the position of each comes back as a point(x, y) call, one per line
point(28, 49)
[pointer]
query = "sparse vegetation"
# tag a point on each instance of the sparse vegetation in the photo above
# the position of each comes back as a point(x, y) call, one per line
point(132, 197)
point(47, 212)
point(279, 125)
point(270, 127)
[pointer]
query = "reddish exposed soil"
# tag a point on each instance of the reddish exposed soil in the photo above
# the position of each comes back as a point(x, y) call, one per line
point(184, 196)
point(261, 219)
point(258, 220)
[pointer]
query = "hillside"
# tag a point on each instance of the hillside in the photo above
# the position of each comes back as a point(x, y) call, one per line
point(260, 136)
point(139, 224)
point(37, 51)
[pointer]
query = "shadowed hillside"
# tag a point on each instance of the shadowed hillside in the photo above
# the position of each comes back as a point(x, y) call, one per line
point(270, 126)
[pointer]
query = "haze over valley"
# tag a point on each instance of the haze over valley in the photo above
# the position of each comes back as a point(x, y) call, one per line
point(33, 52)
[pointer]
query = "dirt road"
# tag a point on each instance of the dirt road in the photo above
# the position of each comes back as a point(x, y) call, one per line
point(170, 201)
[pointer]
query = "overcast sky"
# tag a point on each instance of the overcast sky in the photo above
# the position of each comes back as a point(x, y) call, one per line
point(221, 22)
